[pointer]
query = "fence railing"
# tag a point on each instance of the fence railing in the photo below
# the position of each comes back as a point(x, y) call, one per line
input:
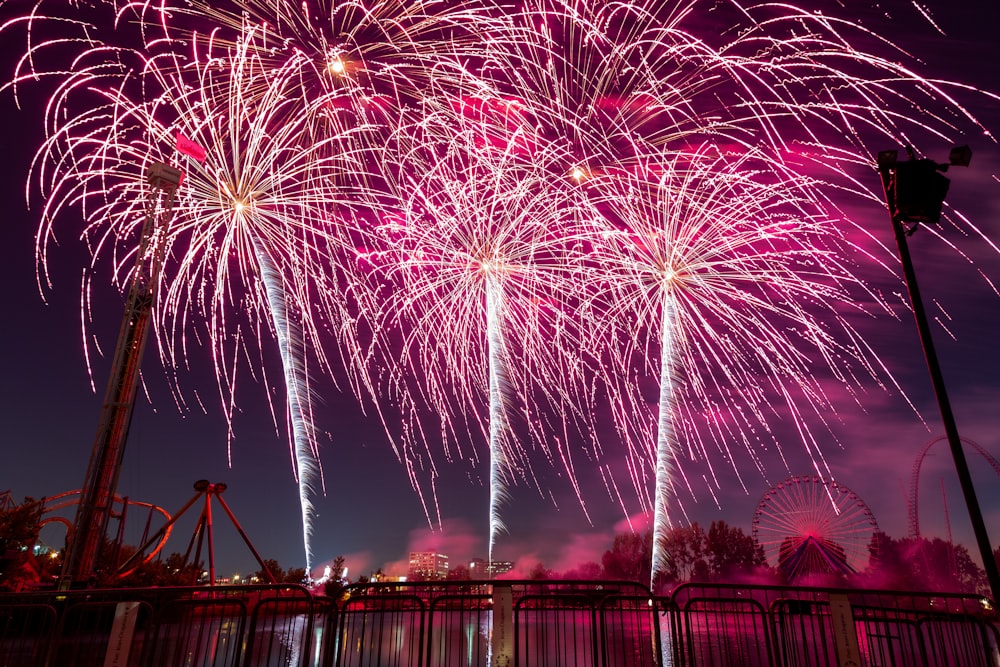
point(498, 623)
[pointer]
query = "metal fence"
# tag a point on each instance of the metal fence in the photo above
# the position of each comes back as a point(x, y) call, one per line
point(760, 626)
point(499, 623)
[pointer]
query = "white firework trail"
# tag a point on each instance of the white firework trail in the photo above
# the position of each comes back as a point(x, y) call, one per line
point(476, 264)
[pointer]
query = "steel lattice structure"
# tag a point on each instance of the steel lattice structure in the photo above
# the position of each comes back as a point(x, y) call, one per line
point(807, 524)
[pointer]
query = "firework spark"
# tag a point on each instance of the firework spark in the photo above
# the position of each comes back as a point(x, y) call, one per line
point(729, 286)
point(478, 258)
point(254, 234)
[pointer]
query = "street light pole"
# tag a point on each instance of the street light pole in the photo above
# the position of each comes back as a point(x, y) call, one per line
point(914, 191)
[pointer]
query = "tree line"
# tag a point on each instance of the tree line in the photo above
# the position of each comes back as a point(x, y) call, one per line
point(720, 554)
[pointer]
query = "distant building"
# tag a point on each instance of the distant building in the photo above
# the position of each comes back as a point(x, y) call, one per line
point(480, 568)
point(427, 565)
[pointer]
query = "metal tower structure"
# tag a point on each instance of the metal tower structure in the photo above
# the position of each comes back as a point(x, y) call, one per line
point(204, 529)
point(99, 487)
point(914, 193)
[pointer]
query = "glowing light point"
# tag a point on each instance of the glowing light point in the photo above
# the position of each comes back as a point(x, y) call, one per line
point(578, 174)
point(336, 66)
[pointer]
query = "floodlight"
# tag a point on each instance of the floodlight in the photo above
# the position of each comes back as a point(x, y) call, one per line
point(887, 158)
point(960, 156)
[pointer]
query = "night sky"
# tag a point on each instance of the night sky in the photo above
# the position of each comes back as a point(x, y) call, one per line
point(49, 411)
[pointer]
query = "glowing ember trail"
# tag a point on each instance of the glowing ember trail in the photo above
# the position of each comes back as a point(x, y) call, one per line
point(664, 436)
point(495, 346)
point(297, 391)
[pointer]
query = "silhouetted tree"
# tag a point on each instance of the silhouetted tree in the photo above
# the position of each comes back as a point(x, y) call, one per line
point(723, 553)
point(174, 571)
point(687, 554)
point(629, 557)
point(18, 534)
point(731, 552)
point(539, 571)
point(586, 571)
point(274, 568)
point(335, 585)
point(293, 575)
point(923, 564)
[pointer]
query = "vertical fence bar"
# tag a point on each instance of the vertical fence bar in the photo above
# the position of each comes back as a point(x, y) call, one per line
point(554, 630)
point(83, 633)
point(459, 630)
point(199, 632)
point(25, 633)
point(628, 631)
point(381, 630)
point(281, 632)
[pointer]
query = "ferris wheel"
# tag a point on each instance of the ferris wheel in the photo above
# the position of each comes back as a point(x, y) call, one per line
point(808, 522)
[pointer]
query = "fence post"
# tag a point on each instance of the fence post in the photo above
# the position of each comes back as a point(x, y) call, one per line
point(502, 635)
point(845, 635)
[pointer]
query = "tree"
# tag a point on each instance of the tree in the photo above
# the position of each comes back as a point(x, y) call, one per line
point(538, 571)
point(335, 585)
point(178, 572)
point(732, 552)
point(271, 566)
point(174, 571)
point(629, 557)
point(587, 571)
point(687, 553)
point(19, 527)
point(293, 575)
point(723, 553)
point(922, 564)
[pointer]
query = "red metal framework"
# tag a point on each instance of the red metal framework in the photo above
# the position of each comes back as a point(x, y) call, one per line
point(109, 445)
point(988, 458)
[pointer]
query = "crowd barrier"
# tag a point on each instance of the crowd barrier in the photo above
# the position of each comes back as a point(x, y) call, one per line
point(497, 623)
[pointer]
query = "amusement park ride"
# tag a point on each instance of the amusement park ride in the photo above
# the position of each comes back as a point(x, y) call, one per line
point(808, 525)
point(99, 486)
point(95, 505)
point(203, 531)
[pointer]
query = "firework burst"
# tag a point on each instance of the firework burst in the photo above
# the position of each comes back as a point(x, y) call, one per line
point(727, 287)
point(253, 245)
point(477, 263)
point(788, 99)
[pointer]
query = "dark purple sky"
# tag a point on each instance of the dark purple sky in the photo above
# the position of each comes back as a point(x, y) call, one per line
point(49, 412)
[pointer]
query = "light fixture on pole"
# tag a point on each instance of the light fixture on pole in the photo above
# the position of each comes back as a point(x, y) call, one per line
point(915, 192)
